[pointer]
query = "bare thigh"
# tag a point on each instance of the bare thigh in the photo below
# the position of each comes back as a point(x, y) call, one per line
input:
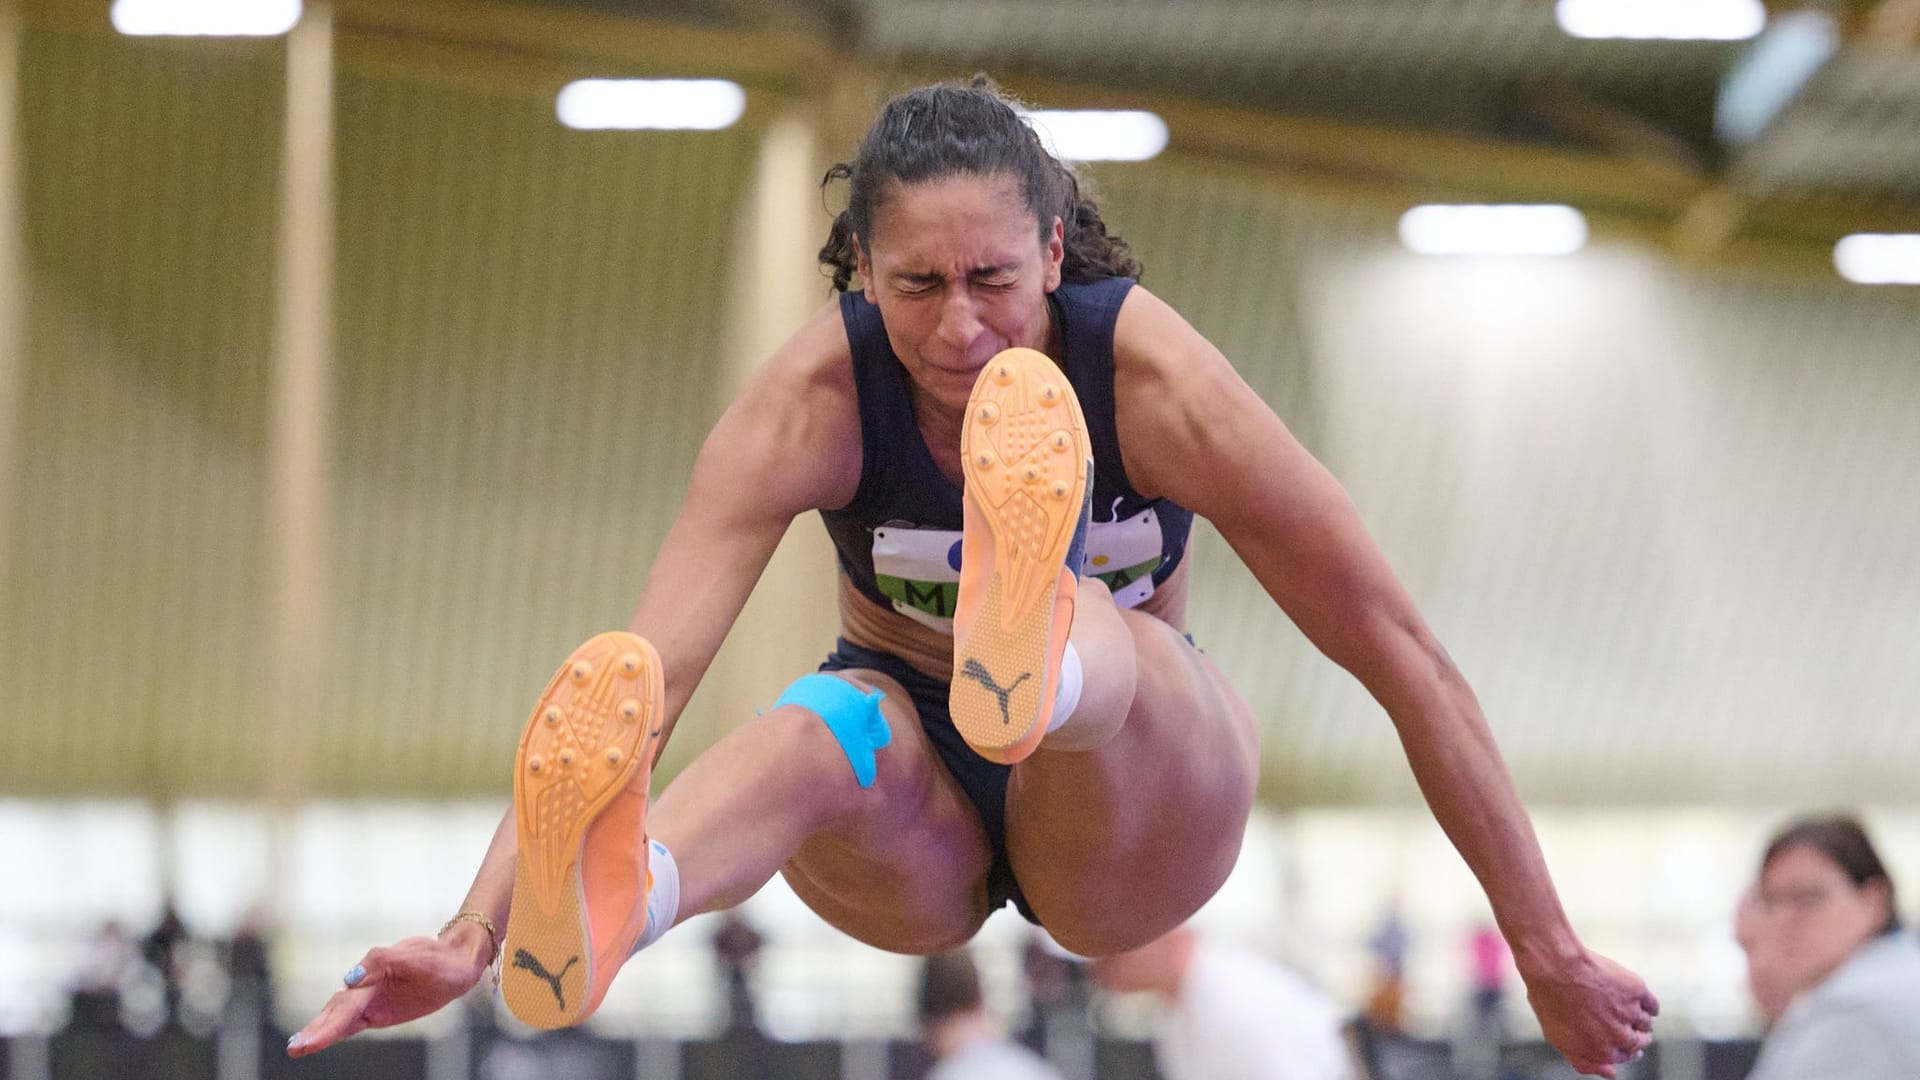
point(1117, 845)
point(907, 871)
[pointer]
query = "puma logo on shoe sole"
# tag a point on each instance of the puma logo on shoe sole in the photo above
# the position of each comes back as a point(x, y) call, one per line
point(529, 962)
point(978, 672)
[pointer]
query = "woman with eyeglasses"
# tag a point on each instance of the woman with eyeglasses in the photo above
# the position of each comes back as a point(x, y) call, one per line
point(1835, 974)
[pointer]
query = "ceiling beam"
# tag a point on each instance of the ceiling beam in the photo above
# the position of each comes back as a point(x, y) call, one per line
point(1893, 24)
point(1640, 188)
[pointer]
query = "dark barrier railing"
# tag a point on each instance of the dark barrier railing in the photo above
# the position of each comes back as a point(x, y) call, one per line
point(112, 1053)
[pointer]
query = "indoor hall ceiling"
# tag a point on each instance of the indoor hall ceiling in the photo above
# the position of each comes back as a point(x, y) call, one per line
point(1843, 156)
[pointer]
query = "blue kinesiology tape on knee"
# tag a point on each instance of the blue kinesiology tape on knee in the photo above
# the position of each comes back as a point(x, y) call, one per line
point(853, 715)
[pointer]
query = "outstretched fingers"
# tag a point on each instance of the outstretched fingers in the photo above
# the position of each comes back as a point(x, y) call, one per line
point(345, 1015)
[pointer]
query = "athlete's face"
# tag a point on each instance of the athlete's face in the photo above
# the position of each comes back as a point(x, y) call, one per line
point(957, 267)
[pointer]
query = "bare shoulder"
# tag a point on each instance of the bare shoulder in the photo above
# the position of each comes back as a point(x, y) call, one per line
point(1159, 357)
point(814, 366)
point(1172, 388)
point(794, 426)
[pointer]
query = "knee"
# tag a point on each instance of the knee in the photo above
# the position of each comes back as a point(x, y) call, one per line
point(1097, 621)
point(795, 735)
point(800, 737)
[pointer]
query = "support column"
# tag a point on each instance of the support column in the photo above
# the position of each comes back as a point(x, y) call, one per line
point(13, 286)
point(300, 455)
point(790, 620)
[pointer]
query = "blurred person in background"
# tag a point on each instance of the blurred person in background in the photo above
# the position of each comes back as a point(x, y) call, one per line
point(1834, 973)
point(736, 948)
point(1056, 994)
point(992, 727)
point(1230, 1014)
point(1477, 1050)
point(250, 970)
point(1386, 1002)
point(161, 949)
point(966, 1042)
point(104, 966)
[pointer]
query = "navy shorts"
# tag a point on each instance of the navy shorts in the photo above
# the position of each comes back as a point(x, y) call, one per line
point(983, 781)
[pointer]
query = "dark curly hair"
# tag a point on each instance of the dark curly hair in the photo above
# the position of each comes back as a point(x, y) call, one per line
point(968, 128)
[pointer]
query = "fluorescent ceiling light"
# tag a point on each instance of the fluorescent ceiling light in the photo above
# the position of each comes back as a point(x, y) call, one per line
point(205, 18)
point(1695, 20)
point(653, 104)
point(1100, 135)
point(1879, 258)
point(1493, 230)
point(1765, 80)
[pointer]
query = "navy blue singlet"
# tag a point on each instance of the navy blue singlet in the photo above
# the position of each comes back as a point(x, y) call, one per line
point(899, 539)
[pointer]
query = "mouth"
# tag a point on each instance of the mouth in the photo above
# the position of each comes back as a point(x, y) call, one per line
point(963, 373)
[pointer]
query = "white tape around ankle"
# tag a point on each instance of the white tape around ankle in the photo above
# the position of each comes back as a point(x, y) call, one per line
point(663, 900)
point(1067, 697)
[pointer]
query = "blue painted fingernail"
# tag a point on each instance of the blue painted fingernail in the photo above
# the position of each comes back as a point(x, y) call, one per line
point(354, 975)
point(297, 1041)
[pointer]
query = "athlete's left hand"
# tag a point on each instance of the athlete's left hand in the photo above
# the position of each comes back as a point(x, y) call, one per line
point(1594, 1011)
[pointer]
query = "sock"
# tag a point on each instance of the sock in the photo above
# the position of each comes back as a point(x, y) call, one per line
point(663, 899)
point(1067, 697)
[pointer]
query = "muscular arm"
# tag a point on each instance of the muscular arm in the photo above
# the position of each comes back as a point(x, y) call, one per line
point(1195, 432)
point(788, 444)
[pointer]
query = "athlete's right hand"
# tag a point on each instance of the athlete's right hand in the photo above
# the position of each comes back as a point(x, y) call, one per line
point(404, 981)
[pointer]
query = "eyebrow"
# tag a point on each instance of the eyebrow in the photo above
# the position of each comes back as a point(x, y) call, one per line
point(929, 276)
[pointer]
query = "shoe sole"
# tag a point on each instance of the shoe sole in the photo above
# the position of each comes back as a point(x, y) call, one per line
point(1024, 453)
point(590, 738)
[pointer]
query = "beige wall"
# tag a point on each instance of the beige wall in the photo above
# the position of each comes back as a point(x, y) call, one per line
point(1674, 525)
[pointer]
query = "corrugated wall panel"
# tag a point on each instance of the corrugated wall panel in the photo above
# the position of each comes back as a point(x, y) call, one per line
point(530, 326)
point(528, 330)
point(1663, 518)
point(137, 554)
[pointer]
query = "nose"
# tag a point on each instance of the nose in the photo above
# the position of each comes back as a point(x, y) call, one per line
point(959, 320)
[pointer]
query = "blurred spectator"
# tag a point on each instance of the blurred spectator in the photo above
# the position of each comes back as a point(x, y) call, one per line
point(1833, 971)
point(161, 950)
point(736, 944)
point(1057, 992)
point(1386, 1003)
point(966, 1042)
point(1489, 957)
point(1231, 1015)
point(103, 970)
point(250, 972)
point(1048, 971)
point(1477, 1054)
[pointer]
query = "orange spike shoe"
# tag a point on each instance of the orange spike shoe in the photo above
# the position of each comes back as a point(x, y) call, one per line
point(1028, 468)
point(580, 812)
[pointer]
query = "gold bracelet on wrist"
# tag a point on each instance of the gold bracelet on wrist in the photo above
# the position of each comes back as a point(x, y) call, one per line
point(493, 937)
